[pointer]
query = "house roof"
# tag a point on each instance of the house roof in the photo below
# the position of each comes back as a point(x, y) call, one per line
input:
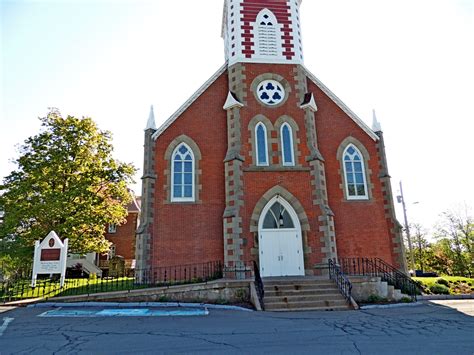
point(189, 102)
point(133, 206)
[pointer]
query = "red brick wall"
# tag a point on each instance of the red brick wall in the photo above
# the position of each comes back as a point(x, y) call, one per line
point(192, 233)
point(361, 227)
point(124, 238)
point(298, 183)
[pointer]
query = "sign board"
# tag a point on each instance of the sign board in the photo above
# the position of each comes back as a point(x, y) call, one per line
point(50, 257)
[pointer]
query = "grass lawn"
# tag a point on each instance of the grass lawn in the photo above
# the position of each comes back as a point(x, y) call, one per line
point(47, 288)
point(453, 285)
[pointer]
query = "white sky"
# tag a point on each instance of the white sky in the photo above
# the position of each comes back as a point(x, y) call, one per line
point(411, 60)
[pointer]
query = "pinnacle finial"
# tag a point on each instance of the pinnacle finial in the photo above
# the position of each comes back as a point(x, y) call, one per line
point(151, 120)
point(376, 126)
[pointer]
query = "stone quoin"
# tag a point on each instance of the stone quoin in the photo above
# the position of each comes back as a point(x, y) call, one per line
point(264, 163)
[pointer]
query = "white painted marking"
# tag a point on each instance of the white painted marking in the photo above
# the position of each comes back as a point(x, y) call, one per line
point(4, 326)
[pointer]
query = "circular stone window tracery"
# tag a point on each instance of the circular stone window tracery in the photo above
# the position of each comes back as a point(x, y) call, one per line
point(270, 92)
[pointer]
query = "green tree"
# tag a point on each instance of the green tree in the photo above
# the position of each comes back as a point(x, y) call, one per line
point(422, 250)
point(456, 229)
point(67, 181)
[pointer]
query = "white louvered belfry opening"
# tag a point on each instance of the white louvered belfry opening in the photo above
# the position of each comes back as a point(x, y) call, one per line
point(268, 32)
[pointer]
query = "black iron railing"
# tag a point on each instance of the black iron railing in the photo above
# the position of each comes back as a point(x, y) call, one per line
point(19, 288)
point(378, 268)
point(343, 283)
point(258, 284)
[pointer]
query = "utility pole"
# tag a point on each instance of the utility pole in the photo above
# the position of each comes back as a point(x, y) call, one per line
point(401, 199)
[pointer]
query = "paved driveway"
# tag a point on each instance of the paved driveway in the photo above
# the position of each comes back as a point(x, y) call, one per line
point(431, 328)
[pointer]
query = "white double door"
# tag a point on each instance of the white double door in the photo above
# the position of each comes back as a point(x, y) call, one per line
point(281, 253)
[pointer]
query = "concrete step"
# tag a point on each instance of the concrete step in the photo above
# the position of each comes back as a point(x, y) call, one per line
point(299, 287)
point(304, 292)
point(327, 304)
point(271, 282)
point(304, 298)
point(315, 309)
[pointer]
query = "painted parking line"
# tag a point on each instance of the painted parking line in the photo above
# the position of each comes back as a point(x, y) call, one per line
point(124, 312)
point(6, 322)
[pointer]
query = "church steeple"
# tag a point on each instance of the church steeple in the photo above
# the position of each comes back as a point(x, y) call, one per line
point(262, 31)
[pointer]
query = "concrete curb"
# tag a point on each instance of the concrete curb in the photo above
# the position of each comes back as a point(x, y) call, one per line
point(445, 297)
point(395, 305)
point(139, 304)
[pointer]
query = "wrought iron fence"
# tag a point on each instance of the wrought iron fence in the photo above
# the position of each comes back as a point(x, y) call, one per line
point(20, 288)
point(378, 268)
point(343, 283)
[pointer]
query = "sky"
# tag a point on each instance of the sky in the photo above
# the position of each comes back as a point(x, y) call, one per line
point(410, 60)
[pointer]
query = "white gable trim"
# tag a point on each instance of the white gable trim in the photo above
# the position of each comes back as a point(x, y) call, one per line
point(189, 102)
point(341, 105)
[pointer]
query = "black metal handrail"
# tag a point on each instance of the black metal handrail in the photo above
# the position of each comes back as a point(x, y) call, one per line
point(377, 267)
point(343, 283)
point(258, 284)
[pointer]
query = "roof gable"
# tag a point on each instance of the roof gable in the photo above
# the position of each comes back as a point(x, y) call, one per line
point(189, 102)
point(341, 105)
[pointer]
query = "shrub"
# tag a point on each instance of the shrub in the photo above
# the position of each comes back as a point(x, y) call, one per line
point(375, 299)
point(442, 282)
point(438, 289)
point(405, 300)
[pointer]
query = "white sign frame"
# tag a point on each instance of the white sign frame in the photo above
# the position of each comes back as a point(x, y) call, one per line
point(49, 267)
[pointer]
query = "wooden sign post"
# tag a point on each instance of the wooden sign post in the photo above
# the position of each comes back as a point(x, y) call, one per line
point(50, 258)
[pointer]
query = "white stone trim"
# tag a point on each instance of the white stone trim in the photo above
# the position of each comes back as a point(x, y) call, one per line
point(231, 102)
point(189, 102)
point(311, 104)
point(151, 120)
point(341, 105)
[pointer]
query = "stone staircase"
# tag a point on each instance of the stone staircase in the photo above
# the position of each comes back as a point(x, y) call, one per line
point(302, 294)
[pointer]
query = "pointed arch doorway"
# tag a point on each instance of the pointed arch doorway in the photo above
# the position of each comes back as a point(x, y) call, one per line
point(280, 240)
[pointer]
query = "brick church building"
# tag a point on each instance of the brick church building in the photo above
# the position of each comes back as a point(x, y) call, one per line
point(264, 163)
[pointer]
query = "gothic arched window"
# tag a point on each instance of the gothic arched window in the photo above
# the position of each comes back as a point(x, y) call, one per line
point(182, 175)
point(278, 217)
point(354, 172)
point(268, 33)
point(287, 151)
point(261, 144)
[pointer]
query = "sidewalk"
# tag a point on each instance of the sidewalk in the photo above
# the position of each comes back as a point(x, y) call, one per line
point(4, 309)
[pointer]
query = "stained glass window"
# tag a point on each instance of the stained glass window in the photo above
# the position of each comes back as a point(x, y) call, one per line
point(261, 144)
point(287, 145)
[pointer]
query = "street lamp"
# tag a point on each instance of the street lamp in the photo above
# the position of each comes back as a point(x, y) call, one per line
point(401, 199)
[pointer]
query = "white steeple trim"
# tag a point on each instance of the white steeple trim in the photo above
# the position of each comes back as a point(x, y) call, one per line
point(341, 105)
point(151, 120)
point(231, 102)
point(189, 102)
point(311, 104)
point(376, 126)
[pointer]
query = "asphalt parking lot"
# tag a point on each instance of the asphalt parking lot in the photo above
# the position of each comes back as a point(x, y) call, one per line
point(441, 327)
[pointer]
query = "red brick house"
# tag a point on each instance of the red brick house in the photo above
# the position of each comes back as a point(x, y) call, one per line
point(123, 237)
point(265, 163)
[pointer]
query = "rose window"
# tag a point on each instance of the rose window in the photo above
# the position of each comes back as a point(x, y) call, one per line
point(270, 92)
